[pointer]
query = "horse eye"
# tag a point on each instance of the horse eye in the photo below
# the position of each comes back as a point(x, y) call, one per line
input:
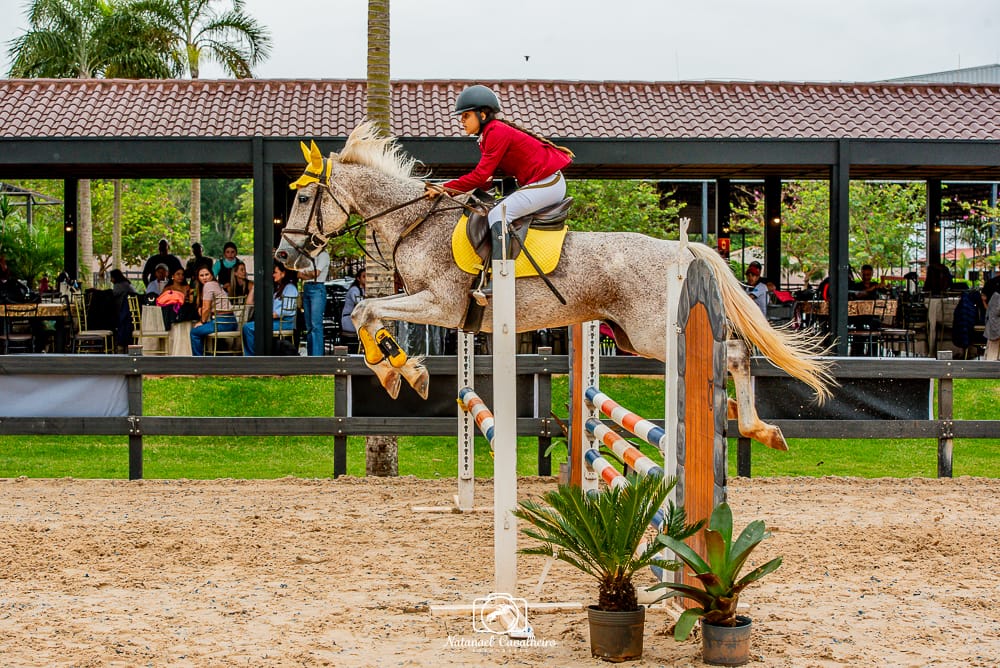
point(303, 199)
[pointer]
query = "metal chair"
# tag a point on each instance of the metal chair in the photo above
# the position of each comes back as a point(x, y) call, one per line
point(285, 327)
point(17, 331)
point(87, 340)
point(225, 308)
point(143, 331)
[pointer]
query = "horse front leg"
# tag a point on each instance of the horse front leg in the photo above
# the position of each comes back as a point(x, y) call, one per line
point(383, 354)
point(750, 424)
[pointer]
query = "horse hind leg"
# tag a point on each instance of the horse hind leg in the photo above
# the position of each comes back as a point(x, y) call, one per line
point(750, 424)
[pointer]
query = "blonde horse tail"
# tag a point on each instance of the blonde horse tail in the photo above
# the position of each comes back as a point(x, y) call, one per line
point(794, 352)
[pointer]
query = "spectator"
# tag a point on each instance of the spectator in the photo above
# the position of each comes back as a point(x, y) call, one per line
point(224, 265)
point(5, 272)
point(196, 262)
point(758, 286)
point(938, 279)
point(163, 256)
point(355, 293)
point(159, 280)
point(991, 286)
point(208, 290)
point(240, 285)
point(866, 288)
point(121, 287)
point(174, 295)
point(314, 301)
point(993, 327)
point(284, 289)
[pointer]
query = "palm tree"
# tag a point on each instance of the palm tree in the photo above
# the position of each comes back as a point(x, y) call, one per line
point(381, 452)
point(201, 28)
point(86, 39)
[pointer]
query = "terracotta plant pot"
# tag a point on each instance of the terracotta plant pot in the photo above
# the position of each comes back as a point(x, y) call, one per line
point(616, 636)
point(726, 645)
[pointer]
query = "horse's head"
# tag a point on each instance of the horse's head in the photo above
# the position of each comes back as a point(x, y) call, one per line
point(318, 212)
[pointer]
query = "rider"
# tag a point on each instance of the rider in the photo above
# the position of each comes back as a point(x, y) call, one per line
point(533, 160)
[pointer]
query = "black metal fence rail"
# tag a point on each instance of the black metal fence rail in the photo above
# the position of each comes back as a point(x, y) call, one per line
point(135, 368)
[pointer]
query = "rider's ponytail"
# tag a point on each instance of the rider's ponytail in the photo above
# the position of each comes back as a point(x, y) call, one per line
point(540, 138)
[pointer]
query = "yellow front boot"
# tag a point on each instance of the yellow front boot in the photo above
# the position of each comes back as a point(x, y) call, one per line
point(388, 345)
point(373, 355)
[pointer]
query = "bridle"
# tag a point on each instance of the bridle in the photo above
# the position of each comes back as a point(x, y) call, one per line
point(314, 240)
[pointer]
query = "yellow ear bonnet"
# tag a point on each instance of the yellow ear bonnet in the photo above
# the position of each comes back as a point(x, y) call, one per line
point(317, 166)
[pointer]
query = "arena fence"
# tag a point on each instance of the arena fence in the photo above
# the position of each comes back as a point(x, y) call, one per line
point(536, 370)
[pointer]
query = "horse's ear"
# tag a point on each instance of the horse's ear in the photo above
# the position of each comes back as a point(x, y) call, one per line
point(314, 153)
point(305, 151)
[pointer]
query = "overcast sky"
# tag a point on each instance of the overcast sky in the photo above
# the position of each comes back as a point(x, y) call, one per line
point(789, 40)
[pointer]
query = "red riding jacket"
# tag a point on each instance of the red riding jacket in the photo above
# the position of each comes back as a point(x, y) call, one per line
point(515, 153)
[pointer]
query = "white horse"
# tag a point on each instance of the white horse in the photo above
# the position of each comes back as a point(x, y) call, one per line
point(615, 277)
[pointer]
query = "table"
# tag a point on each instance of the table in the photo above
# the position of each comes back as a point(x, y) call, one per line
point(178, 342)
point(856, 307)
point(55, 311)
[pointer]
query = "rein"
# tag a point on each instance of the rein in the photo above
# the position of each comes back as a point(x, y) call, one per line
point(320, 237)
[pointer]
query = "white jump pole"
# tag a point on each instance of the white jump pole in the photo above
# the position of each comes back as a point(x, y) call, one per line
point(505, 425)
point(675, 282)
point(591, 373)
point(466, 426)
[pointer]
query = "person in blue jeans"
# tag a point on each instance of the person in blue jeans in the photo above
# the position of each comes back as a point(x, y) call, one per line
point(314, 301)
point(208, 291)
point(282, 306)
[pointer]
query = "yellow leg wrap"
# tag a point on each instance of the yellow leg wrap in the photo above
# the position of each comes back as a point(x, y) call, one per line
point(388, 345)
point(373, 355)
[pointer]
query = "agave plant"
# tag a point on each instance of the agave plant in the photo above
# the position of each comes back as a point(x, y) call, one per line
point(720, 575)
point(601, 533)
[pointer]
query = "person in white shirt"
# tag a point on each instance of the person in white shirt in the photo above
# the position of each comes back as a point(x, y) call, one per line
point(159, 280)
point(314, 301)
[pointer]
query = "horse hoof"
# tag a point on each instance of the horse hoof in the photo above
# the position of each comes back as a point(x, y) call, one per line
point(776, 440)
point(392, 383)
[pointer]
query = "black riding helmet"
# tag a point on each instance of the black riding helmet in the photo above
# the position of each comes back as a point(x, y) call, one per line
point(477, 97)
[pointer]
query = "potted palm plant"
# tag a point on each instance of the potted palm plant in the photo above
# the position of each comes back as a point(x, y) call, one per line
point(601, 534)
point(725, 634)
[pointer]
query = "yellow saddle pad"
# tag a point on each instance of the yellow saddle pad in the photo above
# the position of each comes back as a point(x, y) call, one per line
point(544, 245)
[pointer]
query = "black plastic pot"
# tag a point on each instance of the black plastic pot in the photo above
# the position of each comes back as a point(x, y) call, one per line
point(726, 645)
point(616, 636)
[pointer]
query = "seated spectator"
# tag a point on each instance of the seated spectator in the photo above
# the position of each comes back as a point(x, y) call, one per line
point(757, 286)
point(121, 288)
point(938, 279)
point(283, 313)
point(866, 288)
point(173, 297)
point(224, 265)
point(5, 273)
point(240, 285)
point(208, 290)
point(163, 256)
point(355, 293)
point(159, 280)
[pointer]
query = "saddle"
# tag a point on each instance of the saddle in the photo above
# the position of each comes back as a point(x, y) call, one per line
point(551, 219)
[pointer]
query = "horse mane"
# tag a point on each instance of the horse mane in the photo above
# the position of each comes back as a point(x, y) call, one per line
point(368, 146)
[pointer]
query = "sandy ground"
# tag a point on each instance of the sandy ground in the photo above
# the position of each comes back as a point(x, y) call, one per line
point(302, 573)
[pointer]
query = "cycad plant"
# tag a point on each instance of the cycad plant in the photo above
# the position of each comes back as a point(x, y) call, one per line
point(720, 575)
point(600, 533)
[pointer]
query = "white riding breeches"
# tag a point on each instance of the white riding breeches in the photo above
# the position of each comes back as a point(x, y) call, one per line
point(530, 198)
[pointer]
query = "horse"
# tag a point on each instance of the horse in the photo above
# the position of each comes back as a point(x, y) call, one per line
point(615, 277)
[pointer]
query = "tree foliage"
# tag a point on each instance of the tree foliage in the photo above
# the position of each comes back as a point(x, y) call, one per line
point(30, 251)
point(622, 206)
point(884, 229)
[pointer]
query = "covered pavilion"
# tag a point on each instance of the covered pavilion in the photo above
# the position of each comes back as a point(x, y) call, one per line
point(71, 129)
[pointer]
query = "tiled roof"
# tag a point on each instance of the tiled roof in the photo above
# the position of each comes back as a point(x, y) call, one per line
point(591, 109)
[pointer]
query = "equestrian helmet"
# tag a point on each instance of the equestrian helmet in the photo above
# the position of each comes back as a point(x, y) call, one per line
point(476, 97)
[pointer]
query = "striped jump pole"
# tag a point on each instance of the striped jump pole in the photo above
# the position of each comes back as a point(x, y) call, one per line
point(628, 453)
point(639, 426)
point(472, 403)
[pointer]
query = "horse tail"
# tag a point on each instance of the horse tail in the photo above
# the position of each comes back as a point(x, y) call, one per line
point(795, 352)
